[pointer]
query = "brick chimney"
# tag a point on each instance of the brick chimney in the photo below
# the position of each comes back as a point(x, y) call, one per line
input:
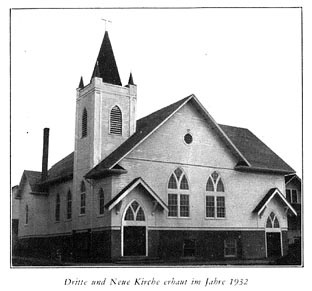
point(45, 154)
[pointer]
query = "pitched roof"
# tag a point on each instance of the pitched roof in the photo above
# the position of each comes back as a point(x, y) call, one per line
point(144, 127)
point(268, 197)
point(62, 170)
point(251, 152)
point(105, 66)
point(132, 185)
point(33, 177)
point(254, 150)
point(292, 177)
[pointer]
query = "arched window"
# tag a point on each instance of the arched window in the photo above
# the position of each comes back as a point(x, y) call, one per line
point(26, 214)
point(101, 201)
point(69, 205)
point(115, 121)
point(178, 194)
point(135, 212)
point(82, 198)
point(84, 123)
point(57, 207)
point(215, 202)
point(272, 221)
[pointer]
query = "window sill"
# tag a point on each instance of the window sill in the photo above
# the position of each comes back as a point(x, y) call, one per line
point(81, 215)
point(230, 256)
point(68, 220)
point(100, 215)
point(215, 218)
point(56, 221)
point(179, 217)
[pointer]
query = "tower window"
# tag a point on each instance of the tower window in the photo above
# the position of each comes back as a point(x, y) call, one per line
point(115, 121)
point(84, 125)
point(26, 214)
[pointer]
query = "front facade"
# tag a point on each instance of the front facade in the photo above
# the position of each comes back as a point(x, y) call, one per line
point(172, 185)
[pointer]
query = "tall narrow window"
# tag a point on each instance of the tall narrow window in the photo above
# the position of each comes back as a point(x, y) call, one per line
point(115, 121)
point(101, 201)
point(57, 207)
point(84, 124)
point(69, 205)
point(178, 195)
point(215, 199)
point(82, 198)
point(26, 214)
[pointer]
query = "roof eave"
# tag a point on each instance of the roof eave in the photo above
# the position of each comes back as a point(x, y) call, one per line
point(98, 174)
point(56, 180)
point(262, 170)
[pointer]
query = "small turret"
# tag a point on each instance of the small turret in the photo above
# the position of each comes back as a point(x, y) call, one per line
point(81, 85)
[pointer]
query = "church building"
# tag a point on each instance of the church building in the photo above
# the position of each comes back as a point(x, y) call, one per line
point(173, 185)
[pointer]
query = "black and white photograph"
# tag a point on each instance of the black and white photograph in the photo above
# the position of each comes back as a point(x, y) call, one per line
point(156, 137)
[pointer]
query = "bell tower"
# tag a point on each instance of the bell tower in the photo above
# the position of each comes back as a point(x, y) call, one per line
point(105, 111)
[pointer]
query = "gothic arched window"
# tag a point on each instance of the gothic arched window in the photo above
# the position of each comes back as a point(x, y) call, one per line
point(115, 121)
point(215, 202)
point(272, 221)
point(178, 194)
point(84, 123)
point(135, 212)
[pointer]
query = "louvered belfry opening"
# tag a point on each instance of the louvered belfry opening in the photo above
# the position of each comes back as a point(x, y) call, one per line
point(115, 121)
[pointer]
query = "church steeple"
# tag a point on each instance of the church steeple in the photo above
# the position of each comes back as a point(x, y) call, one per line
point(105, 65)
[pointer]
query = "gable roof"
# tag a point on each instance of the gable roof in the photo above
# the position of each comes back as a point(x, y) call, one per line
point(252, 154)
point(144, 127)
point(268, 197)
point(292, 177)
point(132, 185)
point(33, 178)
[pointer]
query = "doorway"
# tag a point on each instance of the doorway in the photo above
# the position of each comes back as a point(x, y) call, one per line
point(134, 240)
point(134, 231)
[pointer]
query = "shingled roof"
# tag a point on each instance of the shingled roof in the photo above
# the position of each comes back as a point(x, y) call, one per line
point(259, 155)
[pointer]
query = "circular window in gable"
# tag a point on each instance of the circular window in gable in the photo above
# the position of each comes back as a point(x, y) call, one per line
point(188, 138)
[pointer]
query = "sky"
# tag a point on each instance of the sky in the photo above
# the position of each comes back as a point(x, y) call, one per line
point(244, 65)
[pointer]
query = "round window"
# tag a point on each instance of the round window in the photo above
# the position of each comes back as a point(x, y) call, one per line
point(188, 138)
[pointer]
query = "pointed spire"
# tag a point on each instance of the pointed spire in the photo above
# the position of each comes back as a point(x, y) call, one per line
point(130, 82)
point(105, 66)
point(81, 85)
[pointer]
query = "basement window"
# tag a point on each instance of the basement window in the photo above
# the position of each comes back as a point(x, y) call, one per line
point(189, 247)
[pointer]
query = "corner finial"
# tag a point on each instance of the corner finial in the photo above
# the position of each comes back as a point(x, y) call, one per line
point(97, 70)
point(130, 82)
point(81, 85)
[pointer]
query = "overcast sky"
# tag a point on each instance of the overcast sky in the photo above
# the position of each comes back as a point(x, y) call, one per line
point(244, 65)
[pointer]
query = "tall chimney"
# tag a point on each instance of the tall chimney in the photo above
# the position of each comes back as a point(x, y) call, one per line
point(45, 154)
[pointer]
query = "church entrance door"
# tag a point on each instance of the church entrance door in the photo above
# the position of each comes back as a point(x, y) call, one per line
point(134, 231)
point(134, 240)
